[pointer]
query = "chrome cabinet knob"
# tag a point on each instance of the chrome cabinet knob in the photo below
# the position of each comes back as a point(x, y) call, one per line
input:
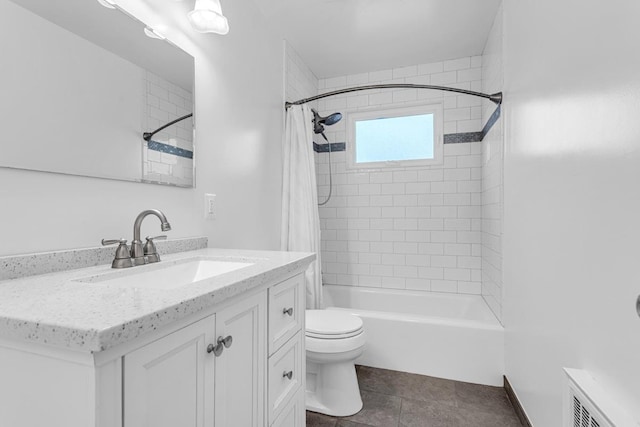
point(227, 341)
point(288, 375)
point(215, 349)
point(288, 311)
point(220, 345)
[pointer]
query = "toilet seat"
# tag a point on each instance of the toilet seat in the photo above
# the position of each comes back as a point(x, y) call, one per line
point(331, 324)
point(334, 340)
point(339, 347)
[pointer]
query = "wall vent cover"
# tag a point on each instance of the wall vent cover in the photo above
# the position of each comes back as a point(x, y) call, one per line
point(582, 416)
point(587, 404)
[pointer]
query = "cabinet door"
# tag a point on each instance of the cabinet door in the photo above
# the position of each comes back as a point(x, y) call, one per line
point(169, 382)
point(240, 369)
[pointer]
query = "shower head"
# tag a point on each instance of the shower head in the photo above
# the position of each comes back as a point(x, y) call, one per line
point(319, 122)
point(332, 119)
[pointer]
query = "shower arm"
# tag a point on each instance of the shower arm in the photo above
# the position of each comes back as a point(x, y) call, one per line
point(147, 135)
point(495, 98)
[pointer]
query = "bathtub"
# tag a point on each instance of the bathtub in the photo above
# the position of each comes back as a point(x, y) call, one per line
point(441, 335)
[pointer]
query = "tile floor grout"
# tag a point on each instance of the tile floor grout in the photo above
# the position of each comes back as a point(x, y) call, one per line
point(399, 399)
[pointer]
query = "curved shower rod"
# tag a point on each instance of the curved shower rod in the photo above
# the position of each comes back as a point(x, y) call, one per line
point(147, 135)
point(496, 97)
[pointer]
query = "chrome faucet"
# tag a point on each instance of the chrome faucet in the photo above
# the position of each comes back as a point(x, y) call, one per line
point(138, 255)
point(137, 251)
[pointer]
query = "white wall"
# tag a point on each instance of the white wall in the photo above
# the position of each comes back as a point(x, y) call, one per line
point(571, 234)
point(412, 227)
point(238, 139)
point(492, 167)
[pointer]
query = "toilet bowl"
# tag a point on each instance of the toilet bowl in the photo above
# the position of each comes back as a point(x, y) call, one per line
point(333, 340)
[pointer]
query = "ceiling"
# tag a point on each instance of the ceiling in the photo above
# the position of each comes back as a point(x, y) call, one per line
point(339, 37)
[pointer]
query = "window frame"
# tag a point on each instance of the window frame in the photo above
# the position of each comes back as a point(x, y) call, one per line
point(374, 113)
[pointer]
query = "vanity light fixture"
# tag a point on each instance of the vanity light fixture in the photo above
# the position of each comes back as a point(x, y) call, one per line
point(109, 4)
point(207, 17)
point(153, 33)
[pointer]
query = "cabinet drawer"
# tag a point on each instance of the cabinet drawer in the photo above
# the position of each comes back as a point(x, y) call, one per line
point(285, 374)
point(286, 311)
point(293, 414)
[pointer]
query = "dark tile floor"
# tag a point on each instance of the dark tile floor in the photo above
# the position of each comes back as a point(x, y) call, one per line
point(399, 399)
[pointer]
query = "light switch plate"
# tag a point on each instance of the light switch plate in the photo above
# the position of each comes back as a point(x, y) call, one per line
point(210, 206)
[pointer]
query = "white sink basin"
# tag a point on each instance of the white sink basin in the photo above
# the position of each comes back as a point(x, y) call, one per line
point(168, 276)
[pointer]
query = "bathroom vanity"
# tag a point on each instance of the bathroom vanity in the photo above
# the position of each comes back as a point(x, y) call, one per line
point(204, 338)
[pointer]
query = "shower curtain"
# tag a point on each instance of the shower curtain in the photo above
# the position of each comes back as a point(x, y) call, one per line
point(300, 218)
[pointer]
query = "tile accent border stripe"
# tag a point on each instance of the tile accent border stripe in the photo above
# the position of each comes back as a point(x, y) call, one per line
point(17, 266)
point(169, 149)
point(492, 121)
point(451, 138)
point(458, 138)
point(324, 148)
point(517, 406)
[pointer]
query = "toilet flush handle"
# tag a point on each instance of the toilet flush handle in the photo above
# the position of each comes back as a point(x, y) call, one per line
point(288, 311)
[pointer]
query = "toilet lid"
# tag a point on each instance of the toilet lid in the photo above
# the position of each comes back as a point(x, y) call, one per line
point(330, 324)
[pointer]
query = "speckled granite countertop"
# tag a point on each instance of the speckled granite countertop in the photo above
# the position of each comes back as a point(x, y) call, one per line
point(59, 310)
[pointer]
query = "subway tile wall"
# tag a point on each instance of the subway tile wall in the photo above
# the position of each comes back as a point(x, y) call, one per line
point(163, 102)
point(492, 174)
point(300, 82)
point(406, 228)
point(462, 113)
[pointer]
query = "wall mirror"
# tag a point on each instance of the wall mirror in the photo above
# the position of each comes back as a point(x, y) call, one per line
point(80, 85)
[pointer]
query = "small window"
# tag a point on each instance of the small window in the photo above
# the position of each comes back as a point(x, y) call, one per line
point(395, 137)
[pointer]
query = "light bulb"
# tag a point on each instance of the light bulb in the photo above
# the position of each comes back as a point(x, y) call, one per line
point(207, 17)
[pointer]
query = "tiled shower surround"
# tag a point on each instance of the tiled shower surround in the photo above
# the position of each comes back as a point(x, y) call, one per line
point(492, 178)
point(420, 228)
point(300, 80)
point(169, 162)
point(405, 228)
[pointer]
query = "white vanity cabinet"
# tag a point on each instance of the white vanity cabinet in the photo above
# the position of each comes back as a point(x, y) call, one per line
point(240, 369)
point(172, 377)
point(179, 380)
point(169, 382)
point(286, 370)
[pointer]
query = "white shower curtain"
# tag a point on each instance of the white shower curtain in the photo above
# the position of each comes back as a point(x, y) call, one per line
point(300, 219)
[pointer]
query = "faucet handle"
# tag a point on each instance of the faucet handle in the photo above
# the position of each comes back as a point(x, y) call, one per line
point(106, 242)
point(122, 258)
point(150, 250)
point(122, 252)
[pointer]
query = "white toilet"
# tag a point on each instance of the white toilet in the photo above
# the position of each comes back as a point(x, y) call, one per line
point(334, 340)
